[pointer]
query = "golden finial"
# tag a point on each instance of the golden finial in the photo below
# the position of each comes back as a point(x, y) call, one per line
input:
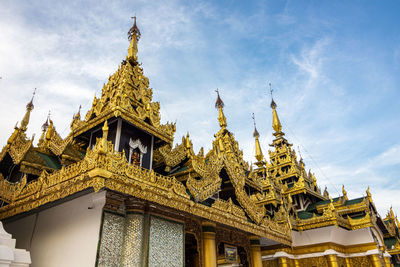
point(276, 124)
point(187, 141)
point(50, 131)
point(326, 193)
point(391, 212)
point(105, 130)
point(331, 205)
point(29, 107)
point(103, 140)
point(369, 194)
point(259, 155)
point(344, 193)
point(219, 104)
point(133, 37)
point(77, 116)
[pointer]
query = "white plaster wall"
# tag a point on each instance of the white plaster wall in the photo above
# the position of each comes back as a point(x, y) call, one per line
point(65, 235)
point(332, 234)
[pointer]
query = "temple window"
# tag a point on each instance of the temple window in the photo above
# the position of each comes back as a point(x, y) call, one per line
point(136, 152)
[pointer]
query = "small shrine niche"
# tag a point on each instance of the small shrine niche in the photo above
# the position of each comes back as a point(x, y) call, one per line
point(136, 144)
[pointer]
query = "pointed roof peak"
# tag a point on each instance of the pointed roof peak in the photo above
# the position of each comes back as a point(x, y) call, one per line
point(255, 134)
point(276, 124)
point(46, 123)
point(77, 116)
point(219, 104)
point(258, 152)
point(30, 104)
point(29, 108)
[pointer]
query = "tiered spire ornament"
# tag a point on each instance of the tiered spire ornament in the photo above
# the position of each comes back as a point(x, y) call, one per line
point(133, 37)
point(344, 193)
point(259, 155)
point(29, 108)
point(45, 126)
point(219, 104)
point(276, 124)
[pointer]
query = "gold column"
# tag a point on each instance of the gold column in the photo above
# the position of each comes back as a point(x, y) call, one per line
point(375, 260)
point(387, 262)
point(348, 262)
point(256, 251)
point(209, 247)
point(296, 263)
point(332, 260)
point(283, 262)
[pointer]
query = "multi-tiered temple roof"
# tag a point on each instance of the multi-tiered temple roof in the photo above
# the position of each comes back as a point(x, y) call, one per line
point(269, 200)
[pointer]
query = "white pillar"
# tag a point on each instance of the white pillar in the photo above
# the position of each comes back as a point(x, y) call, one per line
point(9, 255)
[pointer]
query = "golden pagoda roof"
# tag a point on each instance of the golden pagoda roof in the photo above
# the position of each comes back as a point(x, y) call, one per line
point(127, 94)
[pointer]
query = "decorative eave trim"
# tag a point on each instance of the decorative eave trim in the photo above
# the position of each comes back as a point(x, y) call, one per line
point(101, 169)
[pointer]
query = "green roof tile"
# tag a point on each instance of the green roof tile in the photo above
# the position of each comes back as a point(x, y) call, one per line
point(51, 161)
point(354, 201)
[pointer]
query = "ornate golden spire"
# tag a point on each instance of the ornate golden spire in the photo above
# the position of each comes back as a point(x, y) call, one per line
point(344, 193)
point(133, 37)
point(45, 126)
point(276, 124)
point(29, 108)
point(219, 104)
point(259, 155)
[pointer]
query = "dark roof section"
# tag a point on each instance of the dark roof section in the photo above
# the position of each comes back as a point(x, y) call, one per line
point(51, 162)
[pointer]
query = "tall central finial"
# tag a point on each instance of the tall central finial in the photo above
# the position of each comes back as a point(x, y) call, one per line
point(219, 104)
point(134, 30)
point(133, 37)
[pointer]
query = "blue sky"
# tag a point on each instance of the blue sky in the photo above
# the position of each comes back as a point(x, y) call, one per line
point(334, 66)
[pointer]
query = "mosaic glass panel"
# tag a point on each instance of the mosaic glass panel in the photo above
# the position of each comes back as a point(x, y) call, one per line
point(133, 241)
point(166, 243)
point(111, 241)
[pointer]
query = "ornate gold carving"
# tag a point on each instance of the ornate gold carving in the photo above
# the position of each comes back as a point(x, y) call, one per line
point(364, 222)
point(172, 157)
point(102, 167)
point(127, 93)
point(17, 146)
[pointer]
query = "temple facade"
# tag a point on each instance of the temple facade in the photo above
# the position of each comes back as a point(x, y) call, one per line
point(116, 192)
